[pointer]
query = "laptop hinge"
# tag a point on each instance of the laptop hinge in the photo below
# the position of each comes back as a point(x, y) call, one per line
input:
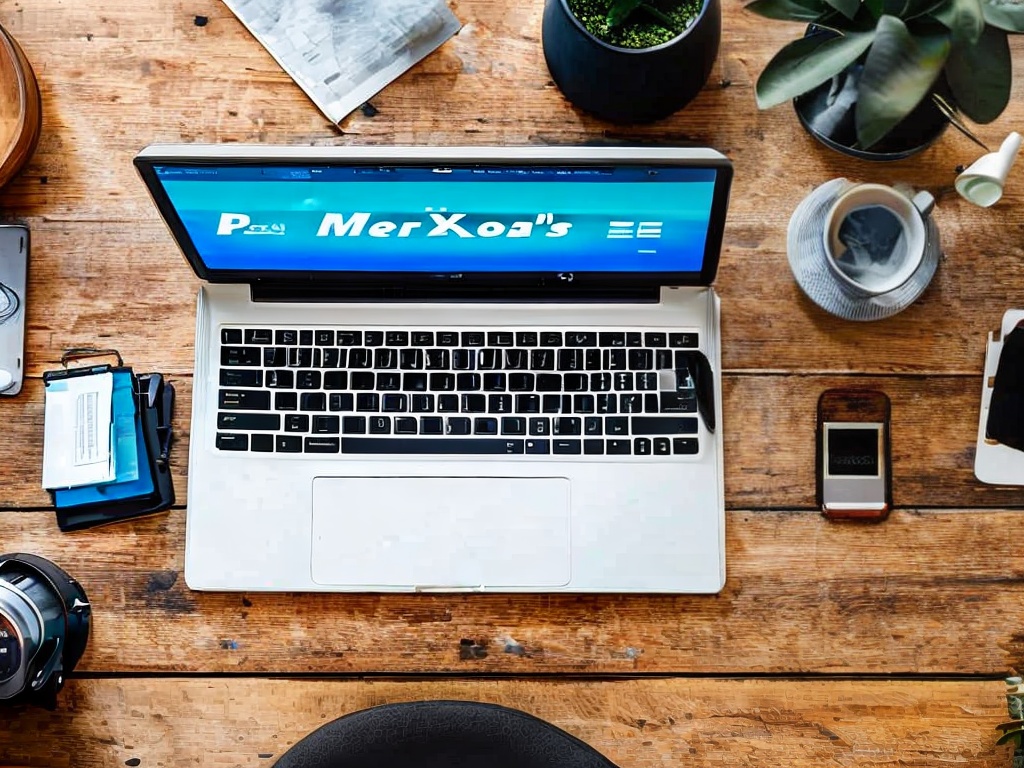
point(378, 293)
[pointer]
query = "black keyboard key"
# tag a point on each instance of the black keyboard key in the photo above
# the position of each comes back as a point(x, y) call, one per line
point(678, 402)
point(396, 338)
point(517, 359)
point(664, 425)
point(447, 403)
point(368, 402)
point(389, 381)
point(341, 401)
point(642, 446)
point(288, 443)
point(353, 425)
point(542, 359)
point(592, 359)
point(593, 447)
point(485, 426)
point(335, 358)
point(607, 404)
point(437, 446)
point(431, 425)
point(422, 404)
point(551, 339)
point(583, 404)
point(600, 382)
point(240, 377)
point(438, 359)
point(568, 425)
point(647, 381)
point(410, 359)
point(521, 382)
point(641, 359)
point(245, 357)
point(651, 403)
point(286, 401)
point(581, 339)
point(538, 446)
point(457, 425)
point(592, 425)
point(574, 382)
point(249, 421)
point(244, 400)
point(296, 422)
point(380, 425)
point(323, 338)
point(684, 445)
point(495, 382)
point(275, 357)
point(631, 403)
point(663, 359)
point(616, 425)
point(468, 382)
point(308, 380)
point(261, 443)
point(526, 339)
point(549, 382)
point(655, 339)
point(321, 445)
point(472, 338)
point(336, 380)
point(570, 359)
point(312, 401)
point(567, 446)
point(489, 359)
point(350, 338)
point(634, 339)
point(374, 338)
point(385, 358)
point(499, 403)
point(405, 425)
point(360, 358)
point(662, 446)
point(282, 379)
point(362, 380)
point(306, 338)
point(499, 339)
point(286, 338)
point(300, 357)
point(326, 425)
point(258, 336)
point(232, 442)
point(556, 404)
point(614, 360)
point(442, 382)
point(447, 339)
point(414, 382)
point(611, 339)
point(682, 340)
point(619, 447)
point(623, 380)
point(474, 404)
point(513, 425)
point(423, 338)
point(395, 403)
point(528, 403)
point(463, 359)
point(231, 336)
point(540, 427)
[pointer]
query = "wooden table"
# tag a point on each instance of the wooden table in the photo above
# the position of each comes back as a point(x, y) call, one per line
point(868, 645)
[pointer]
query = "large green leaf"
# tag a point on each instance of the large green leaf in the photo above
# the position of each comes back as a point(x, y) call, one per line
point(806, 63)
point(1005, 14)
point(964, 18)
point(619, 10)
point(899, 71)
point(980, 76)
point(846, 7)
point(789, 10)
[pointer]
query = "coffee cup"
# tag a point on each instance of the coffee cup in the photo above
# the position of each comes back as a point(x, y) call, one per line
point(875, 237)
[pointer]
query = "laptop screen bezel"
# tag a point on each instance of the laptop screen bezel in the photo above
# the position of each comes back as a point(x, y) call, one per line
point(146, 165)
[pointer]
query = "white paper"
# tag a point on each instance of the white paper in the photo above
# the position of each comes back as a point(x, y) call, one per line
point(77, 421)
point(342, 52)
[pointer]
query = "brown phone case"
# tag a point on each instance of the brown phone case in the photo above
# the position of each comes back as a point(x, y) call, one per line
point(854, 405)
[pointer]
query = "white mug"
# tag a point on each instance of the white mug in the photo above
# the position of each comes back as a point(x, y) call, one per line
point(875, 236)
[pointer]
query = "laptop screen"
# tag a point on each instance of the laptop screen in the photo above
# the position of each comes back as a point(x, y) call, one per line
point(455, 220)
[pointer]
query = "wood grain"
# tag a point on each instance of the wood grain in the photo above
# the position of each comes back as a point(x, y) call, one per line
point(927, 593)
point(636, 724)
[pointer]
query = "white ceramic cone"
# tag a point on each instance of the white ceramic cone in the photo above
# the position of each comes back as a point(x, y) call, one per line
point(982, 183)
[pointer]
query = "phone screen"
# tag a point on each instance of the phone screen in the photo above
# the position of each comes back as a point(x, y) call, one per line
point(853, 450)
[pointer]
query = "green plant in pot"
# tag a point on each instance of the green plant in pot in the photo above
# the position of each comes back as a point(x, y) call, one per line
point(631, 60)
point(882, 78)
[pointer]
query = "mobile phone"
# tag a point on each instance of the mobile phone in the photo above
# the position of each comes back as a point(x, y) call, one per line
point(853, 454)
point(13, 284)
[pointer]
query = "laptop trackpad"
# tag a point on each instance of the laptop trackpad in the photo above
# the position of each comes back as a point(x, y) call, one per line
point(441, 531)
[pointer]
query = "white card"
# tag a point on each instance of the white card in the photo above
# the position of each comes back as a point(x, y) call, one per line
point(76, 431)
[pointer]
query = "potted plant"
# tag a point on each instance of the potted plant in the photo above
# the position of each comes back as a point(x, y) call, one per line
point(631, 60)
point(879, 78)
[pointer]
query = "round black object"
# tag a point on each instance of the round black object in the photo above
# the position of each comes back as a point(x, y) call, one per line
point(629, 85)
point(441, 734)
point(44, 628)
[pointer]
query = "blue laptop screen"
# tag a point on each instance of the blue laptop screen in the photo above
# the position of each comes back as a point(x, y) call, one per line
point(481, 219)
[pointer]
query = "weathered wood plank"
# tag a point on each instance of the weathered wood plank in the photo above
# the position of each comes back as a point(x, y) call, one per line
point(923, 593)
point(636, 723)
point(769, 441)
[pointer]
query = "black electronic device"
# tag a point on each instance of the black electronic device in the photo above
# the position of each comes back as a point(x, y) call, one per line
point(44, 628)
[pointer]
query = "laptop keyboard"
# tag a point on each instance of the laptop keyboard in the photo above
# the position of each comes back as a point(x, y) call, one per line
point(526, 392)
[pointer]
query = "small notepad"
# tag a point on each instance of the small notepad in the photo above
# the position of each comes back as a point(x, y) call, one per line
point(77, 431)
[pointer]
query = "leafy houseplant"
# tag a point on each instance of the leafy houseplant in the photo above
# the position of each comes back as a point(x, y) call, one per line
point(631, 60)
point(954, 51)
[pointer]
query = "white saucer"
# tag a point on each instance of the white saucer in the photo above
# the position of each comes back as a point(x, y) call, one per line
point(808, 260)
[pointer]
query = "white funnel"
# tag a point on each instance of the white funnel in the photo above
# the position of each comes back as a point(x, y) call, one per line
point(982, 183)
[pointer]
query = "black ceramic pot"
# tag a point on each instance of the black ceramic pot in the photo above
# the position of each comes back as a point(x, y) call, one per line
point(629, 85)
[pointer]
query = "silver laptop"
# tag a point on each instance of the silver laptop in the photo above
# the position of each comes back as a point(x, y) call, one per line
point(452, 369)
